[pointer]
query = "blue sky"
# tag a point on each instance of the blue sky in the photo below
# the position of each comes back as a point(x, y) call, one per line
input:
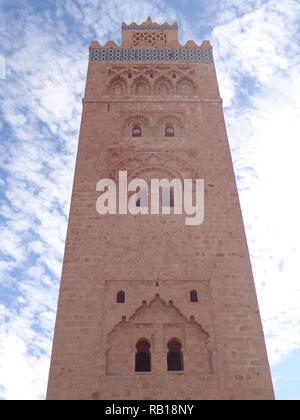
point(257, 56)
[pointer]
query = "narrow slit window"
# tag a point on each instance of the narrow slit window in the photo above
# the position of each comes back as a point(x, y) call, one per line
point(121, 296)
point(193, 296)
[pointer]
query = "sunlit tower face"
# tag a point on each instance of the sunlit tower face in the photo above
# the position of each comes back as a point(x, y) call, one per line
point(150, 307)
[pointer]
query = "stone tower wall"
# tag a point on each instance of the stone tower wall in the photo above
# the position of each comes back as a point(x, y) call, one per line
point(156, 259)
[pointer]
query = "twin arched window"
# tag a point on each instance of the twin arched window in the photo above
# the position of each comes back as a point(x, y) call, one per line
point(143, 356)
point(137, 131)
point(121, 293)
point(166, 201)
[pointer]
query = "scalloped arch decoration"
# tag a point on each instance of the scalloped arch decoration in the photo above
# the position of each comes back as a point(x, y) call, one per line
point(186, 86)
point(138, 121)
point(148, 321)
point(140, 86)
point(137, 163)
point(163, 86)
point(117, 86)
point(170, 121)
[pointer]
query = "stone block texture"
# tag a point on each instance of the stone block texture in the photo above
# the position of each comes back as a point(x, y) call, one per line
point(156, 260)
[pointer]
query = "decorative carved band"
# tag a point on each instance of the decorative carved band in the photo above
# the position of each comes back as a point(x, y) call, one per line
point(149, 54)
point(150, 28)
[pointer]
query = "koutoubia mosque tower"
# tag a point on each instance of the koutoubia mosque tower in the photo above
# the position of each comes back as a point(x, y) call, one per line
point(150, 307)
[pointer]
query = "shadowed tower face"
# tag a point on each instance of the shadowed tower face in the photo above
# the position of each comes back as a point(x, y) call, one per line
point(149, 307)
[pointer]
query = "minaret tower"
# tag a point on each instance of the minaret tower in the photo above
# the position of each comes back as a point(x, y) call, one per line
point(149, 307)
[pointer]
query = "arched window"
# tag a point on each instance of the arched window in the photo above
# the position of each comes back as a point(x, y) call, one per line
point(143, 200)
point(166, 197)
point(143, 357)
point(121, 296)
point(136, 132)
point(169, 131)
point(172, 198)
point(175, 356)
point(193, 296)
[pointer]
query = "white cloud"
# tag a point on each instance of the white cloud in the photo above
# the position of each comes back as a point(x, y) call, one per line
point(263, 128)
point(41, 97)
point(259, 45)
